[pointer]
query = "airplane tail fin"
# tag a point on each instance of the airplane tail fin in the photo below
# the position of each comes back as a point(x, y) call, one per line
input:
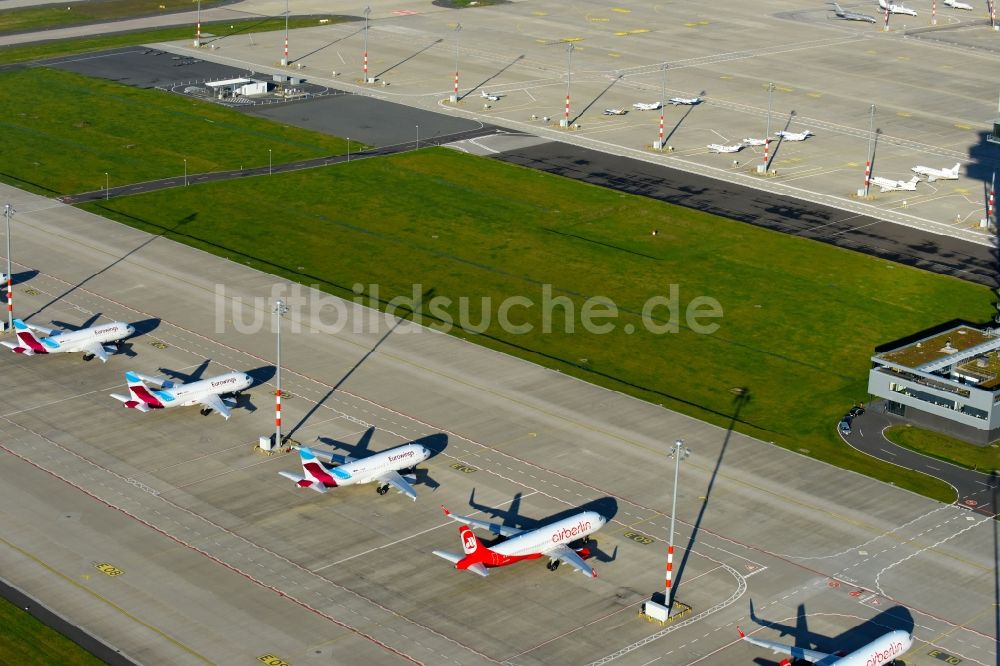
point(476, 553)
point(28, 343)
point(954, 169)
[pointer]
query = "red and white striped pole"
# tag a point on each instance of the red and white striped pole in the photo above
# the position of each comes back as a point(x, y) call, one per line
point(934, 12)
point(669, 594)
point(679, 452)
point(456, 83)
point(567, 109)
point(277, 417)
point(991, 203)
point(8, 210)
point(284, 61)
point(767, 142)
point(868, 174)
point(367, 12)
point(993, 14)
point(569, 77)
point(279, 309)
point(661, 128)
point(197, 30)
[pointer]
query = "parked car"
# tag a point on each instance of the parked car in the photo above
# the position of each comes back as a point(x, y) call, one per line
point(857, 410)
point(845, 427)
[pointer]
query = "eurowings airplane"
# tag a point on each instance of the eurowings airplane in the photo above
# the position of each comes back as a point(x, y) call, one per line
point(853, 16)
point(955, 4)
point(382, 467)
point(615, 112)
point(719, 148)
point(647, 106)
point(684, 100)
point(883, 650)
point(937, 174)
point(90, 341)
point(554, 541)
point(890, 185)
point(206, 392)
point(896, 9)
point(794, 136)
point(754, 142)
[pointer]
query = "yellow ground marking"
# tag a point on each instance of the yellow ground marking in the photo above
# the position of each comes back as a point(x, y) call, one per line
point(903, 57)
point(571, 39)
point(815, 94)
point(539, 14)
point(695, 24)
point(621, 10)
point(963, 126)
point(871, 52)
point(598, 19)
point(725, 76)
point(903, 114)
point(614, 55)
point(784, 89)
point(947, 67)
point(852, 164)
point(118, 608)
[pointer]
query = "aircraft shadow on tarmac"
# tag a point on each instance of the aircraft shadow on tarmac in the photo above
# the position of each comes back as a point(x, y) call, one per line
point(891, 619)
point(511, 517)
point(435, 443)
point(22, 277)
point(143, 327)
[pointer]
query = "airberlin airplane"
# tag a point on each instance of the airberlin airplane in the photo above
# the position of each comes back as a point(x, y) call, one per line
point(882, 651)
point(562, 541)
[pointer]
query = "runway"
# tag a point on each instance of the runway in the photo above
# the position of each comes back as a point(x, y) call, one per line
point(223, 559)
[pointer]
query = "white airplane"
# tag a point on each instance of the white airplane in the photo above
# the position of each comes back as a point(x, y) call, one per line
point(492, 98)
point(794, 136)
point(882, 650)
point(719, 148)
point(382, 467)
point(896, 9)
point(891, 185)
point(90, 341)
point(754, 142)
point(553, 541)
point(615, 112)
point(937, 174)
point(206, 392)
point(955, 4)
point(684, 100)
point(852, 16)
point(646, 106)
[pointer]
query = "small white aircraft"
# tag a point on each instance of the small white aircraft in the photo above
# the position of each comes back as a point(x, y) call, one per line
point(382, 467)
point(955, 4)
point(933, 174)
point(206, 392)
point(646, 106)
point(896, 9)
point(891, 185)
point(615, 112)
point(754, 142)
point(554, 541)
point(882, 650)
point(684, 100)
point(851, 16)
point(794, 136)
point(719, 148)
point(90, 341)
point(492, 97)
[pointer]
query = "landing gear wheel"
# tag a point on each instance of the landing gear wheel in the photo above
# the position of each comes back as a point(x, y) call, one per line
point(382, 490)
point(553, 565)
point(206, 412)
point(88, 357)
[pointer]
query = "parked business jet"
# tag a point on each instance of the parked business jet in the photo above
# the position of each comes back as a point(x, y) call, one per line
point(883, 650)
point(955, 4)
point(794, 136)
point(491, 97)
point(615, 112)
point(933, 174)
point(206, 392)
point(891, 185)
point(754, 142)
point(852, 16)
point(646, 106)
point(684, 100)
point(382, 468)
point(90, 341)
point(555, 541)
point(719, 148)
point(896, 9)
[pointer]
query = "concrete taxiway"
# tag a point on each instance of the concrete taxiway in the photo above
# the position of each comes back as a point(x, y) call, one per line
point(216, 558)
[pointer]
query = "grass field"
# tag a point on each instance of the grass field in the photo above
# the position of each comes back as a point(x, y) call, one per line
point(25, 640)
point(982, 458)
point(43, 17)
point(78, 128)
point(800, 318)
point(221, 30)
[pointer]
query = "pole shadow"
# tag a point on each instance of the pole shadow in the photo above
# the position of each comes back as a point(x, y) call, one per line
point(594, 101)
point(781, 139)
point(679, 122)
point(739, 402)
point(326, 46)
point(408, 58)
point(490, 78)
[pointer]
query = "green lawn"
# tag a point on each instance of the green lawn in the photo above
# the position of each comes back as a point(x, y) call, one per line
point(221, 30)
point(25, 640)
point(800, 318)
point(43, 17)
point(982, 458)
point(78, 128)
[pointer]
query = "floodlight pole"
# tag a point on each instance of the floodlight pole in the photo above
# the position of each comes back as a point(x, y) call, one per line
point(348, 150)
point(284, 61)
point(767, 132)
point(268, 161)
point(871, 139)
point(107, 187)
point(8, 210)
point(185, 172)
point(279, 310)
point(197, 30)
point(678, 451)
point(458, 29)
point(367, 12)
point(663, 101)
point(418, 137)
point(569, 76)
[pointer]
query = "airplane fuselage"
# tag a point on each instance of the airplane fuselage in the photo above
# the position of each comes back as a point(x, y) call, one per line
point(535, 543)
point(880, 652)
point(193, 393)
point(370, 468)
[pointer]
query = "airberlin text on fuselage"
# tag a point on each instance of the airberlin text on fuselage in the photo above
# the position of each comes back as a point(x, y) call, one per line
point(569, 532)
point(885, 656)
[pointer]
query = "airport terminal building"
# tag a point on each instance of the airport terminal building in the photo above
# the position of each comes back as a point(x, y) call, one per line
point(948, 381)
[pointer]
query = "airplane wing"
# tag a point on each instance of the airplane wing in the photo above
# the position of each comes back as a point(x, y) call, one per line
point(41, 329)
point(215, 403)
point(93, 348)
point(811, 656)
point(332, 457)
point(495, 528)
point(396, 480)
point(569, 556)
